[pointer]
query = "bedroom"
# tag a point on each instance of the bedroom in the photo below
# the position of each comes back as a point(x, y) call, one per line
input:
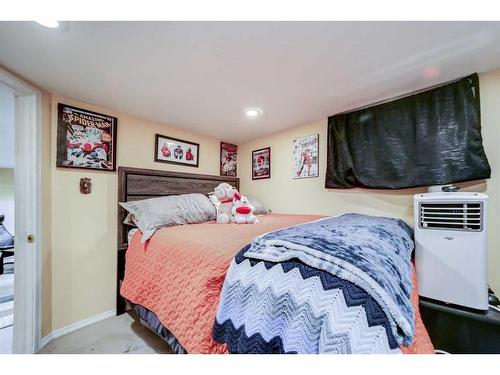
point(152, 110)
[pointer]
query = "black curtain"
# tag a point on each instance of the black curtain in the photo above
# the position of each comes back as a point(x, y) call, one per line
point(429, 138)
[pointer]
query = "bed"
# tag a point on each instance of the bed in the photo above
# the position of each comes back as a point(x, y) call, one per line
point(174, 280)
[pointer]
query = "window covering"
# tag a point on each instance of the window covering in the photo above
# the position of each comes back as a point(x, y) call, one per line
point(428, 138)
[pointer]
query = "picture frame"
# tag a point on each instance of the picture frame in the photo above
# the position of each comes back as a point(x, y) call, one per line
point(85, 139)
point(176, 151)
point(228, 159)
point(261, 163)
point(306, 157)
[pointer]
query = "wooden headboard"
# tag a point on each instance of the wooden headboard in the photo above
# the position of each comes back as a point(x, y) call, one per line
point(137, 183)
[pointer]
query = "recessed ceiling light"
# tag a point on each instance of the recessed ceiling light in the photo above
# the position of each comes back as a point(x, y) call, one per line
point(53, 24)
point(253, 112)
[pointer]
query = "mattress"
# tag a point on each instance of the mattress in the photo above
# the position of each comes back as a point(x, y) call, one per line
point(178, 276)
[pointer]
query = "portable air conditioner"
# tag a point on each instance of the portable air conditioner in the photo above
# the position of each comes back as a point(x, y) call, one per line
point(451, 248)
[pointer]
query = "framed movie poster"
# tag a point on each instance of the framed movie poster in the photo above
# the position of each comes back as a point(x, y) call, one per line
point(305, 157)
point(228, 159)
point(85, 139)
point(176, 151)
point(261, 164)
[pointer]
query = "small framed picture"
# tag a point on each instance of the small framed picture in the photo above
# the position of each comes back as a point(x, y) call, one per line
point(85, 139)
point(176, 151)
point(261, 164)
point(228, 159)
point(305, 157)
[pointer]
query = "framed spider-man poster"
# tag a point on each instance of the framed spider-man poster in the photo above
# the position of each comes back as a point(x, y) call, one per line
point(85, 139)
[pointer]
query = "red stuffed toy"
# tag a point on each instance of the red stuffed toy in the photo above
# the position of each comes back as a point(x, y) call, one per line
point(243, 211)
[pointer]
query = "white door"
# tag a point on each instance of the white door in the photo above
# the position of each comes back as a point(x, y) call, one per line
point(27, 284)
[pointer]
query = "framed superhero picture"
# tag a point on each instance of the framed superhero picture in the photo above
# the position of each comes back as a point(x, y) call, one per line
point(176, 151)
point(85, 139)
point(305, 157)
point(261, 164)
point(228, 159)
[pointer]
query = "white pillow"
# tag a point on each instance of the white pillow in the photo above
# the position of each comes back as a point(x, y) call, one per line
point(152, 214)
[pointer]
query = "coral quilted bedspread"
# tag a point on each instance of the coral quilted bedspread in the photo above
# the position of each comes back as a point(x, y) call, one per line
point(178, 274)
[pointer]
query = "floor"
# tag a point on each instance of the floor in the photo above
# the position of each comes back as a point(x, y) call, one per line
point(6, 308)
point(115, 335)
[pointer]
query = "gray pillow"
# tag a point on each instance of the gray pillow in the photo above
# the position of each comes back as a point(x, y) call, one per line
point(152, 214)
point(259, 208)
point(130, 220)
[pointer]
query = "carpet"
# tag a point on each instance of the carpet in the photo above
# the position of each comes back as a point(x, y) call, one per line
point(123, 334)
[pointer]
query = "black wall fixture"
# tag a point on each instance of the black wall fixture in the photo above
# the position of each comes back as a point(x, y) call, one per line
point(429, 138)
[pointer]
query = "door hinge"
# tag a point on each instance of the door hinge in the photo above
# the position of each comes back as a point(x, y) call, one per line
point(30, 238)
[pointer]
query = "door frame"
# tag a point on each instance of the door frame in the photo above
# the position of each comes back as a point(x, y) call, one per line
point(27, 280)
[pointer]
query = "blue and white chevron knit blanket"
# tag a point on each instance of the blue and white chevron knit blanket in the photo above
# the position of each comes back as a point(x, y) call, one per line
point(336, 285)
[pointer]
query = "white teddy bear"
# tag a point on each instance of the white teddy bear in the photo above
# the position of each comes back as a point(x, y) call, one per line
point(242, 211)
point(225, 193)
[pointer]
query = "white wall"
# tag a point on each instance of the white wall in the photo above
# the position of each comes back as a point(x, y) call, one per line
point(83, 227)
point(7, 193)
point(7, 113)
point(79, 231)
point(283, 194)
point(7, 141)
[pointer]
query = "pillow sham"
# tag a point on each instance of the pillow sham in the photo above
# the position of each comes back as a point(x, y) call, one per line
point(154, 213)
point(130, 220)
point(259, 208)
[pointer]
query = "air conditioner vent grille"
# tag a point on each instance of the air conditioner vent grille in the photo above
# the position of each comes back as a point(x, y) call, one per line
point(467, 216)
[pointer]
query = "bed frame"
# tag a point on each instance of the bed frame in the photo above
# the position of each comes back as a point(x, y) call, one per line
point(136, 184)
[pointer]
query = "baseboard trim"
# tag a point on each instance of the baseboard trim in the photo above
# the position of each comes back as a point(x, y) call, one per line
point(77, 325)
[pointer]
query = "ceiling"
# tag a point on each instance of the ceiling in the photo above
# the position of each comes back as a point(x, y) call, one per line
point(200, 76)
